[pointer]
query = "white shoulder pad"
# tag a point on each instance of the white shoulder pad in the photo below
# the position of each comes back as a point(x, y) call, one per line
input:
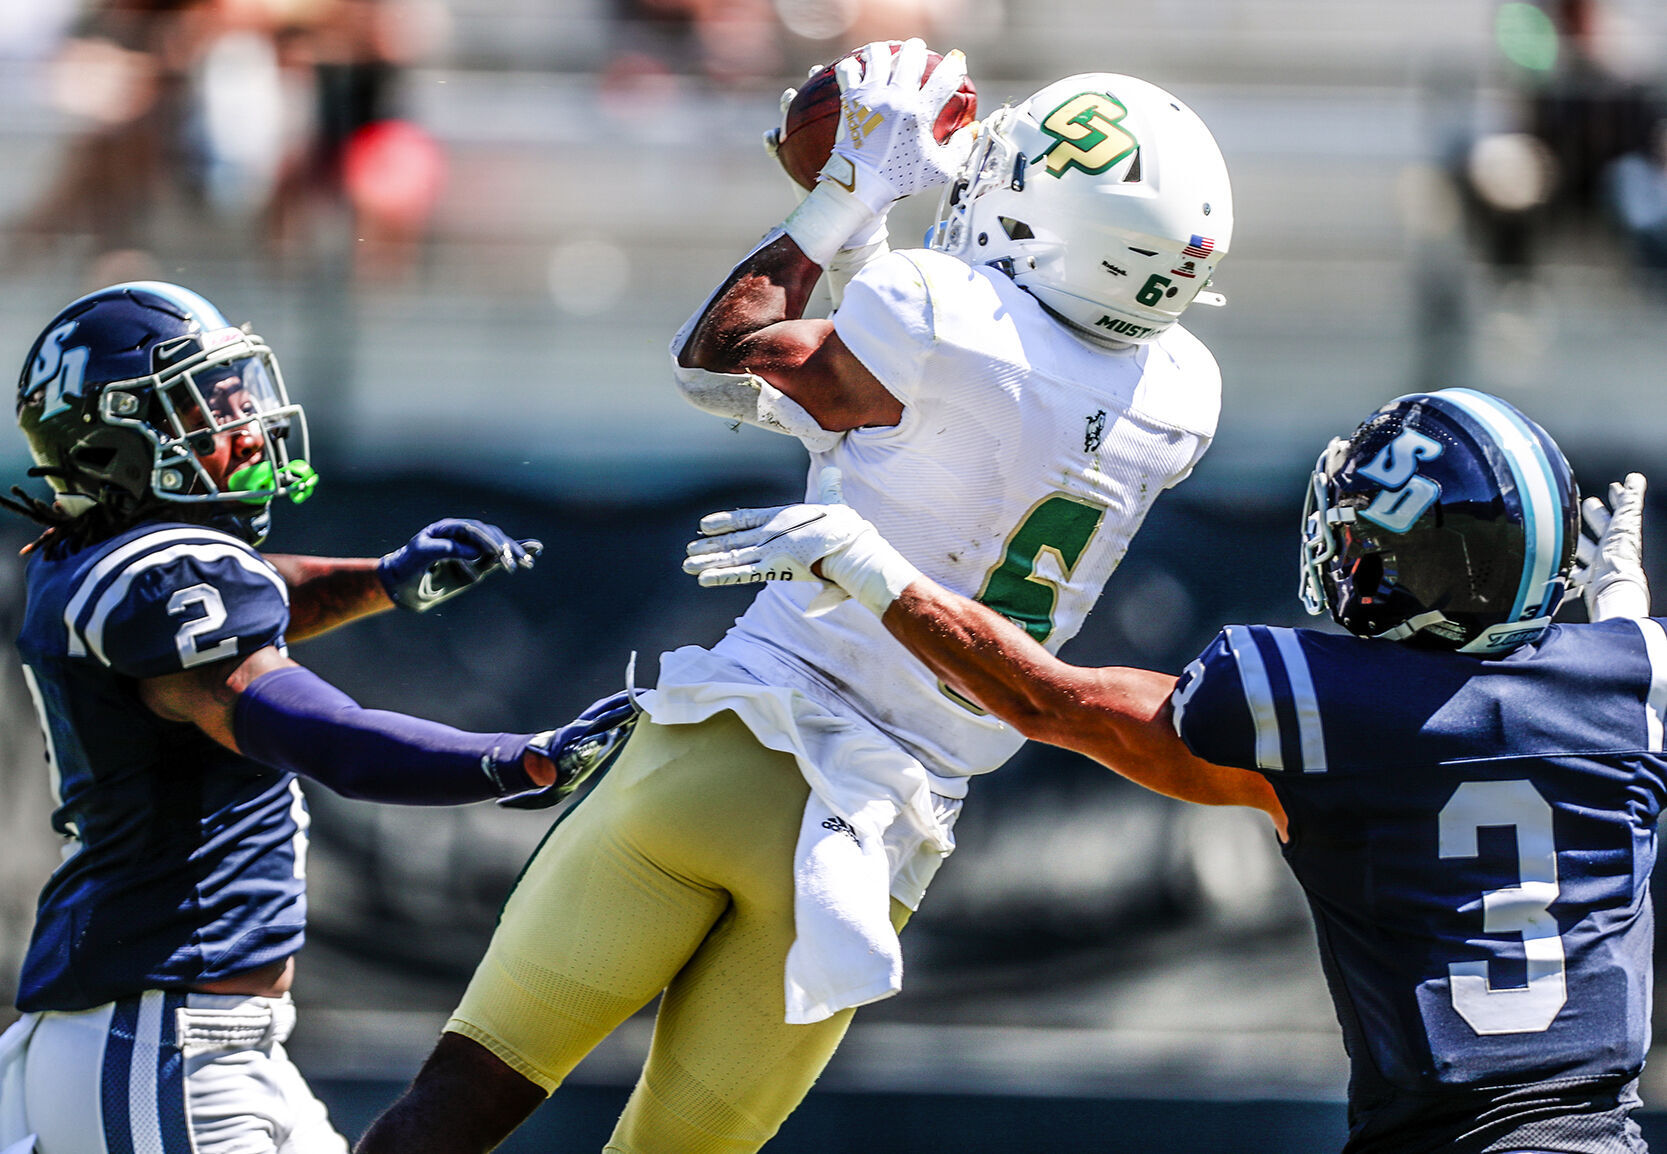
point(1181, 385)
point(886, 320)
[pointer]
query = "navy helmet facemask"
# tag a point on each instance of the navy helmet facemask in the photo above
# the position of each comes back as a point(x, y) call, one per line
point(126, 391)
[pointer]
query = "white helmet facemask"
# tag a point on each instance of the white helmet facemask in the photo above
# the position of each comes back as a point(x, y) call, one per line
point(1103, 196)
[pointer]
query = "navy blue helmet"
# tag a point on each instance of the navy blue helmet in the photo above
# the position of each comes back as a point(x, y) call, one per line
point(1449, 518)
point(133, 394)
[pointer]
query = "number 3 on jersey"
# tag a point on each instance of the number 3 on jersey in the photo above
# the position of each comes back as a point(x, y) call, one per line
point(1524, 908)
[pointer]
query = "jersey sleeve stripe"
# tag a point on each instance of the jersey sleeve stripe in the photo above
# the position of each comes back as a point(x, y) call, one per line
point(1310, 730)
point(101, 570)
point(1258, 695)
point(93, 630)
point(1655, 703)
point(303, 821)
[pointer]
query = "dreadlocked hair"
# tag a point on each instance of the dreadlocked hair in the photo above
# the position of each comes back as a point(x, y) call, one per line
point(95, 523)
point(41, 513)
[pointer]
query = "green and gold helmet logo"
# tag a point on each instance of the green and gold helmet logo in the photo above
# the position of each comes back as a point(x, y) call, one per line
point(1088, 134)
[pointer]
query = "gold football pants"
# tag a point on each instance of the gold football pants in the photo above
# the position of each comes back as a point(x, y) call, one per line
point(675, 874)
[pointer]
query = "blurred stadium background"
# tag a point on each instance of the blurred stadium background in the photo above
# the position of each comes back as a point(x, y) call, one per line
point(469, 228)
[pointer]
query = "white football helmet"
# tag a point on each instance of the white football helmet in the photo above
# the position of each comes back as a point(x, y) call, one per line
point(1103, 196)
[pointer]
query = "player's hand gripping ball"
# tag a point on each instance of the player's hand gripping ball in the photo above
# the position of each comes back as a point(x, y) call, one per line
point(810, 120)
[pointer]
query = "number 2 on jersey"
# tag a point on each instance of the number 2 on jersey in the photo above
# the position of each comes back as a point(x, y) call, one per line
point(206, 598)
point(1524, 908)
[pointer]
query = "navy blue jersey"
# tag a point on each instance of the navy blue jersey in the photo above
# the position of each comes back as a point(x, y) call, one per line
point(1475, 838)
point(183, 861)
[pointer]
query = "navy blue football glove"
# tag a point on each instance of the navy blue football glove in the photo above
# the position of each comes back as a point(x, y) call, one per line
point(580, 749)
point(446, 558)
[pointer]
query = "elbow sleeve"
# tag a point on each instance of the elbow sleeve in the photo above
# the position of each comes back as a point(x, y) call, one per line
point(294, 720)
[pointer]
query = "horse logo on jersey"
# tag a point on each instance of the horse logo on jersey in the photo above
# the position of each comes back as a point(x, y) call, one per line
point(1088, 134)
point(1405, 495)
point(58, 370)
point(1095, 434)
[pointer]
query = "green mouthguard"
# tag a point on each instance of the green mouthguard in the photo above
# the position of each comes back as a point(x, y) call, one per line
point(262, 478)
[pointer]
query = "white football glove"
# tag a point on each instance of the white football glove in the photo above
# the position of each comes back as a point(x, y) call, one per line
point(1609, 561)
point(786, 543)
point(858, 250)
point(884, 149)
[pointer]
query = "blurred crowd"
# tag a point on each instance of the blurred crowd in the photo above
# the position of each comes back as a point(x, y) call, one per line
point(282, 124)
point(268, 116)
point(754, 42)
point(285, 123)
point(1583, 151)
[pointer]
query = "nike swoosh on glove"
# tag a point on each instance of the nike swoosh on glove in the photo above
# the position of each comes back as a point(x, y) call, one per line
point(446, 558)
point(581, 749)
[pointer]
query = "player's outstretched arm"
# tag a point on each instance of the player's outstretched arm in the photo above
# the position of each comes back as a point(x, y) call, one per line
point(441, 561)
point(269, 708)
point(751, 336)
point(326, 592)
point(1120, 717)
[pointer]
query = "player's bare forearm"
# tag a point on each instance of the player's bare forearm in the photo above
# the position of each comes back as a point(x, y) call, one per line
point(325, 592)
point(1113, 715)
point(1118, 716)
point(767, 289)
point(755, 325)
point(206, 695)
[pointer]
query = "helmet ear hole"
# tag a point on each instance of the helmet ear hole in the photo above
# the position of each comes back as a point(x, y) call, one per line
point(1016, 229)
point(1133, 175)
point(95, 458)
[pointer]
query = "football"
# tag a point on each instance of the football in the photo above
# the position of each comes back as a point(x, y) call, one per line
point(807, 131)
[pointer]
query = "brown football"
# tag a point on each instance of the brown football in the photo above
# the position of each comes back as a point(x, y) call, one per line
point(808, 129)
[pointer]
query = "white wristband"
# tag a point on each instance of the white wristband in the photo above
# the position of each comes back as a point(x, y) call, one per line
point(871, 571)
point(1620, 597)
point(825, 219)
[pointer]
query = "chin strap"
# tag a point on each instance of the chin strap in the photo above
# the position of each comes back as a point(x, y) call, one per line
point(1494, 639)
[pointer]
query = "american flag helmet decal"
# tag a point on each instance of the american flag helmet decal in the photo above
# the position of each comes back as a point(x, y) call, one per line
point(1200, 247)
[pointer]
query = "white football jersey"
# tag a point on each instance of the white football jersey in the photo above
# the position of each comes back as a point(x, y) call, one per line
point(1025, 461)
